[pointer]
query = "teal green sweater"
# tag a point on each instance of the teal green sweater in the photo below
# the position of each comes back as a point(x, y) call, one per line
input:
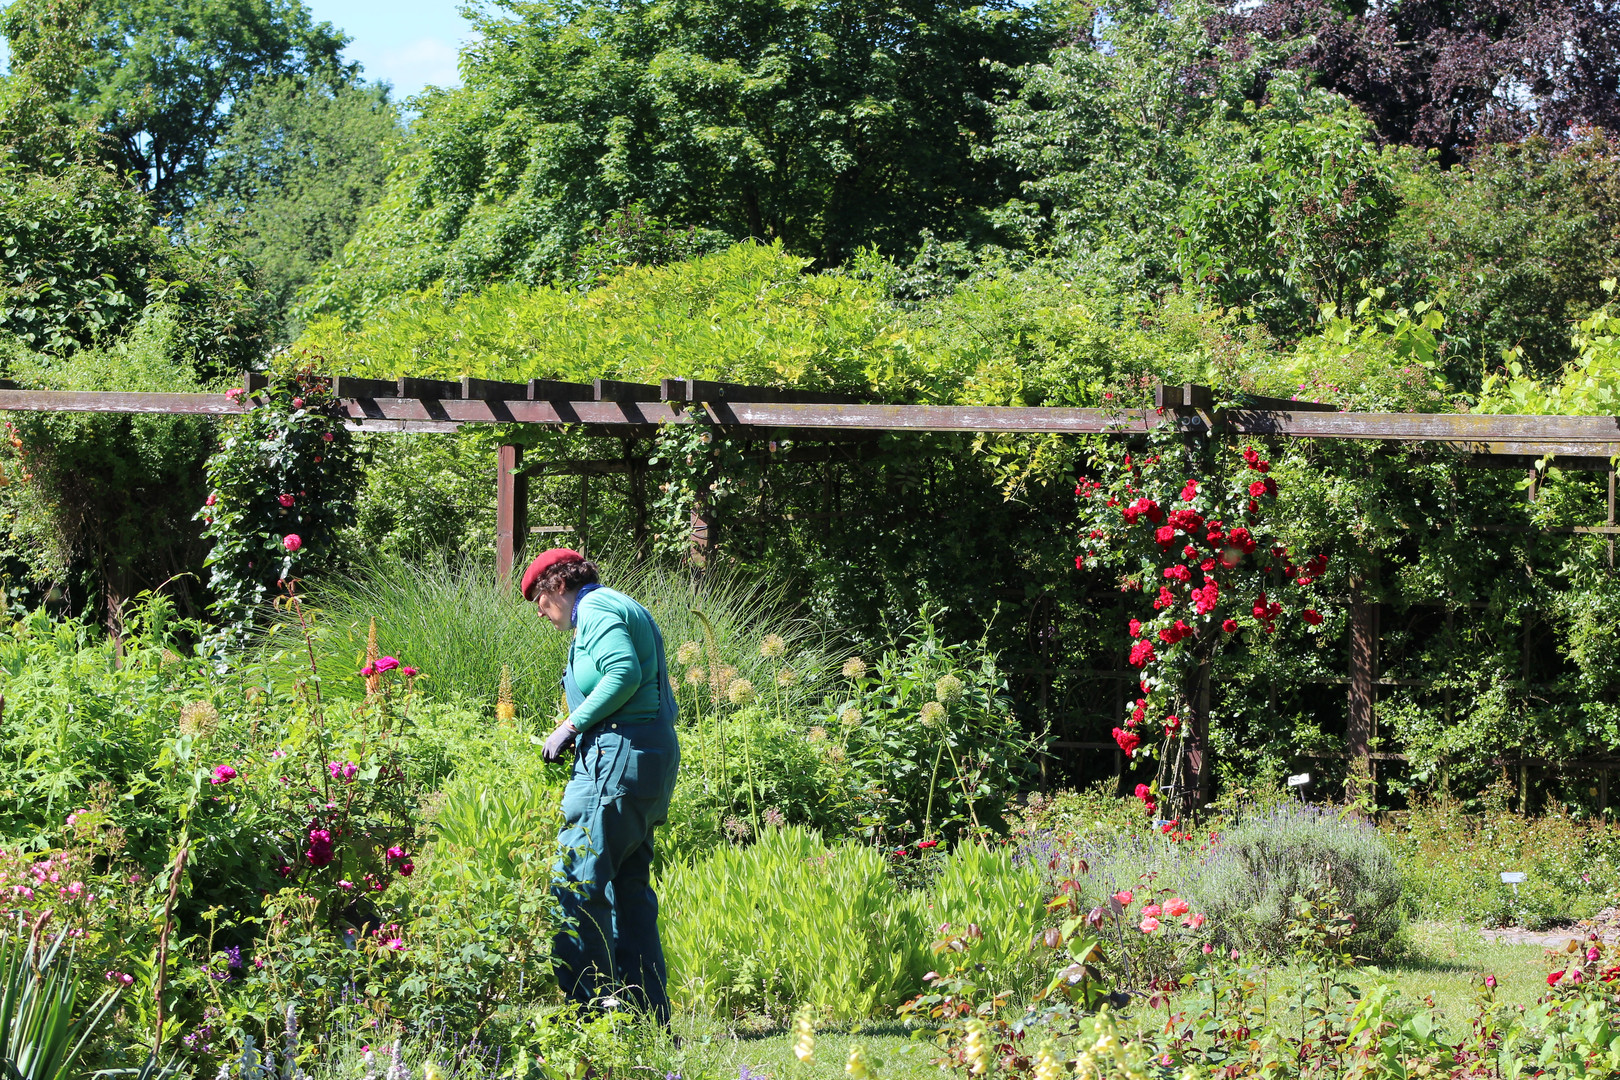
point(615, 656)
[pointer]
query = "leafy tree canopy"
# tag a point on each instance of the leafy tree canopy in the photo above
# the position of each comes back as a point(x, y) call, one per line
point(292, 176)
point(825, 125)
point(160, 76)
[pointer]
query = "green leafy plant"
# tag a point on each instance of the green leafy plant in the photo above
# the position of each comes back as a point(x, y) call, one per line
point(281, 483)
point(39, 995)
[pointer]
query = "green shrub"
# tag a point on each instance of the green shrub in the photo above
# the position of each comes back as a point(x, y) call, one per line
point(1247, 883)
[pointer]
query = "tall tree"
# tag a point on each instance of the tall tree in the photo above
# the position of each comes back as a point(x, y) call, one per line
point(828, 124)
point(162, 75)
point(302, 161)
point(1451, 74)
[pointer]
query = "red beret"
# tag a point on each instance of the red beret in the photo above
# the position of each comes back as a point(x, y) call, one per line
point(543, 562)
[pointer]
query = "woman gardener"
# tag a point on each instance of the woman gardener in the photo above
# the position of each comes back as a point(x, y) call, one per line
point(621, 711)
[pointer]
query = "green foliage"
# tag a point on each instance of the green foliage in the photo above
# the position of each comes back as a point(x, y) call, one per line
point(1249, 883)
point(41, 1038)
point(839, 936)
point(158, 79)
point(1516, 240)
point(291, 177)
point(86, 260)
point(1291, 211)
point(824, 127)
point(104, 501)
point(1589, 385)
point(281, 483)
point(1451, 863)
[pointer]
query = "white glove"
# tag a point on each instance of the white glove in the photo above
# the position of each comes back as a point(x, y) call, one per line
point(558, 741)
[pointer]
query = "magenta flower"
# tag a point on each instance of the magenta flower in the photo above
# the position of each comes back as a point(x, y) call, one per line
point(386, 663)
point(396, 944)
point(408, 671)
point(211, 500)
point(298, 403)
point(368, 671)
point(285, 500)
point(327, 437)
point(407, 869)
point(396, 852)
point(233, 394)
point(342, 770)
point(292, 542)
point(319, 852)
point(223, 774)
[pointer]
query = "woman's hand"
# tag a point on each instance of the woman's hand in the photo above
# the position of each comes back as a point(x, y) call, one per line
point(558, 741)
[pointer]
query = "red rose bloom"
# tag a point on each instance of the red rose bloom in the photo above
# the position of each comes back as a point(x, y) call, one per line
point(1257, 489)
point(1165, 535)
point(1312, 617)
point(1177, 573)
point(1128, 740)
point(1230, 626)
point(1142, 654)
point(1136, 628)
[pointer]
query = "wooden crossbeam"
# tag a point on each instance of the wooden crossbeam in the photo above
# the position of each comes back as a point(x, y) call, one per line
point(1202, 399)
point(348, 386)
point(553, 390)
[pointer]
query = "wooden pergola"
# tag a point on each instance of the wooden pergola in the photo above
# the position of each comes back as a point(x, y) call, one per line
point(614, 408)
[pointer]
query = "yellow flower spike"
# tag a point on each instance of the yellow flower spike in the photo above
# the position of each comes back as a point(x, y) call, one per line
point(505, 709)
point(804, 1037)
point(974, 1049)
point(1046, 1066)
point(1085, 1067)
point(856, 1068)
point(431, 1071)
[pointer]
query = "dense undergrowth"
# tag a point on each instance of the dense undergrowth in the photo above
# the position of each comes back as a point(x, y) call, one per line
point(379, 860)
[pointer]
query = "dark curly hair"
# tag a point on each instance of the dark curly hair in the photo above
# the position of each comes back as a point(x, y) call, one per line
point(565, 576)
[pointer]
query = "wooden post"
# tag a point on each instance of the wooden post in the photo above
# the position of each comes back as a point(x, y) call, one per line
point(702, 530)
point(1363, 663)
point(511, 509)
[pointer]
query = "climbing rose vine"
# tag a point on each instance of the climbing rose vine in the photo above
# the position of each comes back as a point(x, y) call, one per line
point(1187, 530)
point(281, 483)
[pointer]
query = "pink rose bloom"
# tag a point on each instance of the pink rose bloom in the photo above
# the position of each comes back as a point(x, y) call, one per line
point(1176, 907)
point(1490, 982)
point(211, 500)
point(396, 852)
point(285, 500)
point(1593, 954)
point(298, 403)
point(327, 437)
point(1208, 948)
point(368, 671)
point(223, 774)
point(1149, 925)
point(1153, 911)
point(407, 869)
point(1196, 920)
point(1124, 896)
point(396, 944)
point(1576, 976)
point(345, 884)
point(292, 542)
point(386, 663)
point(408, 671)
point(233, 394)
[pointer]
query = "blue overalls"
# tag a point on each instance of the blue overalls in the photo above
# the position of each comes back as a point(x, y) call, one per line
point(624, 776)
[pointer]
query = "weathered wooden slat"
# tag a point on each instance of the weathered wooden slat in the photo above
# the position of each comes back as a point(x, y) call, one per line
point(1459, 428)
point(253, 381)
point(553, 390)
point(1202, 398)
point(493, 389)
point(614, 390)
point(693, 391)
point(391, 427)
point(110, 402)
point(348, 386)
point(598, 414)
point(428, 388)
point(968, 418)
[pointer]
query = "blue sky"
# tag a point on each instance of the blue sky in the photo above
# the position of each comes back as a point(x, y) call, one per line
point(409, 43)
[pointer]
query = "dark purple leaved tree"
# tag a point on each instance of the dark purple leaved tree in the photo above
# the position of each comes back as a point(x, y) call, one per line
point(1451, 75)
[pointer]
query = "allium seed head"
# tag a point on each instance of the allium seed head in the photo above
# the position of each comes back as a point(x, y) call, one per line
point(948, 689)
point(696, 676)
point(740, 692)
point(787, 677)
point(854, 668)
point(688, 653)
point(932, 714)
point(773, 646)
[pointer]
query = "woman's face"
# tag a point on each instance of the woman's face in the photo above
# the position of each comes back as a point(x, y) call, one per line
point(556, 606)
